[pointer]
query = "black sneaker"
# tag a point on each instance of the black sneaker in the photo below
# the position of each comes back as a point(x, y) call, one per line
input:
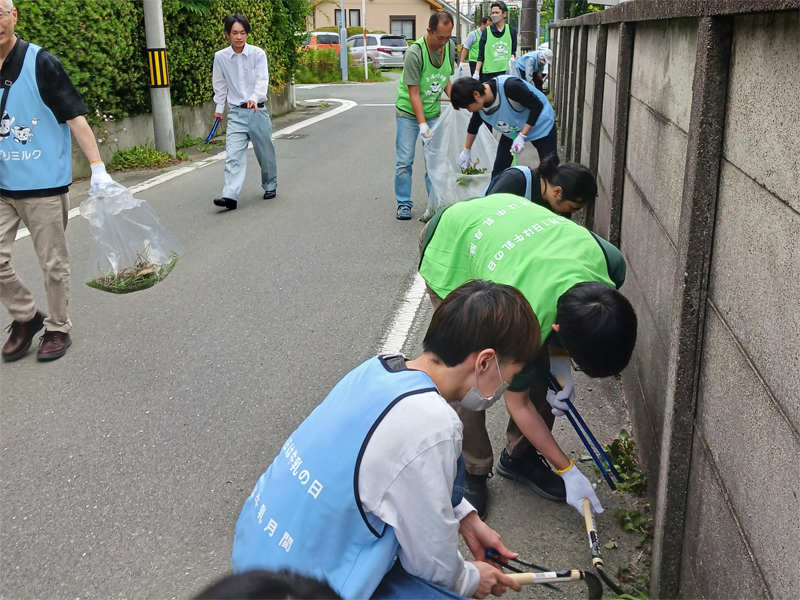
point(225, 203)
point(535, 472)
point(270, 194)
point(476, 493)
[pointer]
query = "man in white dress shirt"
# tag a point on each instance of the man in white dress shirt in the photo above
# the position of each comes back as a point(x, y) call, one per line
point(241, 77)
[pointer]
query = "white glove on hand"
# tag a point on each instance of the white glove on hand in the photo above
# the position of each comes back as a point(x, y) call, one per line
point(463, 69)
point(463, 158)
point(99, 176)
point(518, 144)
point(425, 133)
point(561, 368)
point(578, 488)
point(476, 75)
point(556, 401)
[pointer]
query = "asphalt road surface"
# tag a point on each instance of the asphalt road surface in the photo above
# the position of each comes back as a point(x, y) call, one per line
point(125, 464)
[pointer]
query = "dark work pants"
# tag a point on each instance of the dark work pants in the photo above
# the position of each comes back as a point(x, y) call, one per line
point(544, 146)
point(472, 65)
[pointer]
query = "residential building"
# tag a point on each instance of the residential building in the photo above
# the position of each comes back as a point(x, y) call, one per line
point(400, 17)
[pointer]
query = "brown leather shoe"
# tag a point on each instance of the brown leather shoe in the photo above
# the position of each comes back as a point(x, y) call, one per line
point(54, 345)
point(22, 332)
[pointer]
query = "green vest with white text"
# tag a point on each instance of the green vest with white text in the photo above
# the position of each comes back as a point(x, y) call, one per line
point(432, 82)
point(497, 52)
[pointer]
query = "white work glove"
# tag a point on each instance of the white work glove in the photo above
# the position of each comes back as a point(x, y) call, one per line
point(463, 68)
point(512, 66)
point(518, 144)
point(561, 368)
point(578, 488)
point(476, 75)
point(463, 158)
point(558, 407)
point(425, 133)
point(99, 177)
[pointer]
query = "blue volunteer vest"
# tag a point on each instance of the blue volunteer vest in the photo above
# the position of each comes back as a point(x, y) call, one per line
point(35, 150)
point(531, 58)
point(305, 513)
point(506, 119)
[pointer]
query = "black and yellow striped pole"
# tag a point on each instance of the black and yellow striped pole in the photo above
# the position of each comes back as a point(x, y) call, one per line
point(163, 128)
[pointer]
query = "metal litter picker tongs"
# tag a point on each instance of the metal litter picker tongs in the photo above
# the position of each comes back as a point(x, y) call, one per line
point(575, 419)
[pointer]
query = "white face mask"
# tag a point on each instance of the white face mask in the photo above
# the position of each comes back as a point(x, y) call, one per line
point(474, 400)
point(497, 18)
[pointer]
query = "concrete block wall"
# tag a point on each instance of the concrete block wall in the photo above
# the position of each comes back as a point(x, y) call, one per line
point(658, 123)
point(748, 404)
point(605, 165)
point(699, 105)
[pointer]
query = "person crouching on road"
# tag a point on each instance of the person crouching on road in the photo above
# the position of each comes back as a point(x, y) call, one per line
point(570, 277)
point(427, 66)
point(39, 108)
point(530, 67)
point(371, 474)
point(512, 106)
point(241, 78)
point(564, 189)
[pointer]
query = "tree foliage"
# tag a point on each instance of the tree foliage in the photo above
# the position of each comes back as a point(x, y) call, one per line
point(102, 46)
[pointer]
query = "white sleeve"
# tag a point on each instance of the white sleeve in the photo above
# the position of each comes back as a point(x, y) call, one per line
point(220, 86)
point(470, 40)
point(463, 509)
point(262, 78)
point(425, 522)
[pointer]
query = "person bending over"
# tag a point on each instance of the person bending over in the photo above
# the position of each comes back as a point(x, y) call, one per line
point(512, 106)
point(570, 278)
point(564, 189)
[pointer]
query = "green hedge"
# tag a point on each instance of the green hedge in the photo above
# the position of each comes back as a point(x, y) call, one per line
point(102, 46)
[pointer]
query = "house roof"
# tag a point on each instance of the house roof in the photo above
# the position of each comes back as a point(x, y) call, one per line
point(435, 4)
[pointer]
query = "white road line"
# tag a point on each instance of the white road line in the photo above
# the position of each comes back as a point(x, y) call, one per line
point(377, 105)
point(397, 335)
point(162, 177)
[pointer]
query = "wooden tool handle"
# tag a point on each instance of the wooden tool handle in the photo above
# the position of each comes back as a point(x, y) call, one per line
point(523, 578)
point(588, 517)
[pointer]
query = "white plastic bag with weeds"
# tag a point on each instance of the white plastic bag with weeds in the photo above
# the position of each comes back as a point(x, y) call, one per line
point(131, 248)
point(449, 183)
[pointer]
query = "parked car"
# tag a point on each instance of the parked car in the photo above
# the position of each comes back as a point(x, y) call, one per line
point(321, 40)
point(383, 50)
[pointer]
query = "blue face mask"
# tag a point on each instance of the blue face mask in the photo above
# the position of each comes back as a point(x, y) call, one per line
point(474, 400)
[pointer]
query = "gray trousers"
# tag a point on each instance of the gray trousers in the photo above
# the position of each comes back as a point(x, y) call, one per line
point(245, 126)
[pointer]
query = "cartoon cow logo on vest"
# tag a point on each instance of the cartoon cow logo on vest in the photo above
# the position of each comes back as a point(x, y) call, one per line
point(5, 125)
point(504, 128)
point(24, 135)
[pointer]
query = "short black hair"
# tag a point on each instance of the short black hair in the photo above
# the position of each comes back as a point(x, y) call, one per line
point(439, 18)
point(575, 180)
point(478, 315)
point(597, 326)
point(267, 585)
point(230, 20)
point(499, 4)
point(462, 92)
point(486, 20)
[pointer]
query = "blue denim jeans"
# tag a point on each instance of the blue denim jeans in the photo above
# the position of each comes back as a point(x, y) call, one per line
point(407, 134)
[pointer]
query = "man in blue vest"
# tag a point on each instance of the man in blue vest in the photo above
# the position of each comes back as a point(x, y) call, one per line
point(530, 66)
point(369, 476)
point(39, 107)
point(514, 107)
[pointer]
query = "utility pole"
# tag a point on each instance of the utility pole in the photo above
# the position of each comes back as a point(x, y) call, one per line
point(527, 21)
point(343, 44)
point(364, 27)
point(538, 23)
point(163, 128)
point(458, 23)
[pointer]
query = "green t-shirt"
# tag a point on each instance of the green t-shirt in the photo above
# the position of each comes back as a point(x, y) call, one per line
point(506, 239)
point(412, 69)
